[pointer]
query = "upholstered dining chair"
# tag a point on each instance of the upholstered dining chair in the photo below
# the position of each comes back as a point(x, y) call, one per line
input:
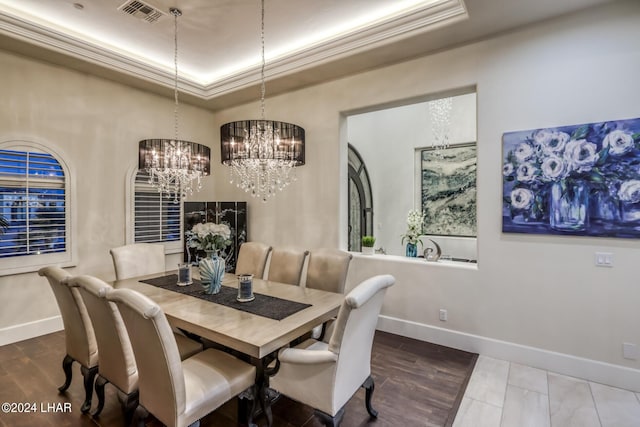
point(138, 259)
point(326, 375)
point(286, 265)
point(252, 259)
point(79, 336)
point(117, 363)
point(176, 393)
point(327, 270)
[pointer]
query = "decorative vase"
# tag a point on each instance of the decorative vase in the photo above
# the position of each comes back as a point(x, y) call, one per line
point(569, 205)
point(412, 250)
point(211, 272)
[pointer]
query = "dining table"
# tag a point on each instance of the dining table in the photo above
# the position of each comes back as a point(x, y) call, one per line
point(255, 330)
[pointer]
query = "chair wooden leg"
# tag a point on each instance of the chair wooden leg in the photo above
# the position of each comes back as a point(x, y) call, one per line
point(129, 405)
point(100, 383)
point(328, 420)
point(89, 375)
point(139, 416)
point(66, 367)
point(369, 387)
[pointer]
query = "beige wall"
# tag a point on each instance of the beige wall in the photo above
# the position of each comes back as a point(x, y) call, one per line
point(97, 124)
point(538, 291)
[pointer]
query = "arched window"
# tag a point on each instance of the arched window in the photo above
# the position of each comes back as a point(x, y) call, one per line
point(360, 201)
point(35, 202)
point(154, 217)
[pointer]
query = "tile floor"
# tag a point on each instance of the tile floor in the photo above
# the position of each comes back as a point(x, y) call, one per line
point(504, 394)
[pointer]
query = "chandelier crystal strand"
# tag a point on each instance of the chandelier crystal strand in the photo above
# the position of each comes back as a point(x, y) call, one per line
point(173, 165)
point(262, 153)
point(440, 112)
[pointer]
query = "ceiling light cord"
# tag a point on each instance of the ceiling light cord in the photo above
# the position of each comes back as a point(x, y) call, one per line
point(262, 85)
point(175, 13)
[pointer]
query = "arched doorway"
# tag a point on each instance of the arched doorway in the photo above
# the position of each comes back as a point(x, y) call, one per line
point(360, 201)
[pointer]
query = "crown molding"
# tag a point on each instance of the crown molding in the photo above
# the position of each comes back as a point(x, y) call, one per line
point(410, 23)
point(385, 31)
point(57, 41)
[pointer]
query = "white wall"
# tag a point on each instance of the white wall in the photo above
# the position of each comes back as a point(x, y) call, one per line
point(97, 124)
point(533, 292)
point(386, 139)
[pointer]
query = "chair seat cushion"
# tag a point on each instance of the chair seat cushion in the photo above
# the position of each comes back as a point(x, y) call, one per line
point(186, 346)
point(312, 344)
point(211, 378)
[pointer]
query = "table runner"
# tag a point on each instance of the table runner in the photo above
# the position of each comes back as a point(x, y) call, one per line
point(264, 305)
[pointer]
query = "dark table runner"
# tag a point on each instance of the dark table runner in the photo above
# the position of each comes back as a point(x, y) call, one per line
point(264, 305)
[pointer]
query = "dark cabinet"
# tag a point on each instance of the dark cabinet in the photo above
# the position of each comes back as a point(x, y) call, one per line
point(234, 214)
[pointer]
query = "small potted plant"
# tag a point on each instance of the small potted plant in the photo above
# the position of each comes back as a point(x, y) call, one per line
point(367, 245)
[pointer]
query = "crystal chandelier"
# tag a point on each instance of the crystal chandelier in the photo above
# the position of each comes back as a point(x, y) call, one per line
point(173, 164)
point(440, 112)
point(261, 154)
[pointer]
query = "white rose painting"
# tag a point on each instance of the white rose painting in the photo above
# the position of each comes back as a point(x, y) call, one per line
point(577, 180)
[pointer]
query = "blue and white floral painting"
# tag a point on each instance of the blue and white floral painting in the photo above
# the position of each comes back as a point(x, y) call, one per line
point(574, 180)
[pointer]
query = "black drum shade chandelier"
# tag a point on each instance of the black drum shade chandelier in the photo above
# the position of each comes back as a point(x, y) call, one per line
point(262, 154)
point(174, 165)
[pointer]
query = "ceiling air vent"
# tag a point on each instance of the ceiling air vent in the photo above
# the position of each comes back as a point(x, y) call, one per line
point(141, 10)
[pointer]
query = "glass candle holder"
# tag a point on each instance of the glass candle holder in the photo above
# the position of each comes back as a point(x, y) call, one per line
point(245, 288)
point(184, 274)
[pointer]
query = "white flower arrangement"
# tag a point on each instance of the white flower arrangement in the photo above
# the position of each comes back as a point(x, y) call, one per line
point(415, 221)
point(209, 236)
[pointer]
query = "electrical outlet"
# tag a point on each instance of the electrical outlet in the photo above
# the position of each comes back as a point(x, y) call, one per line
point(604, 259)
point(629, 351)
point(443, 315)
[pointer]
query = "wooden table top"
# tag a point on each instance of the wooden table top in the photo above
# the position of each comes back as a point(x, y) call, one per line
point(248, 333)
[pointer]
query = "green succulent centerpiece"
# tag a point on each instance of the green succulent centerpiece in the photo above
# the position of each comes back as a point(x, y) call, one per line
point(367, 244)
point(368, 241)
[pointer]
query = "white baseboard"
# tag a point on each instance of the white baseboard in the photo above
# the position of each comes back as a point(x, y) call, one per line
point(565, 364)
point(28, 330)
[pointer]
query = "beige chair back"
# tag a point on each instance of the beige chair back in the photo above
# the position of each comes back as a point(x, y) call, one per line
point(325, 376)
point(78, 330)
point(352, 336)
point(252, 259)
point(286, 265)
point(138, 259)
point(117, 362)
point(327, 270)
point(161, 380)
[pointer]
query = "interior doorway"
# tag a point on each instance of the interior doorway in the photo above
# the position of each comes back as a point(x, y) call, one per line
point(360, 201)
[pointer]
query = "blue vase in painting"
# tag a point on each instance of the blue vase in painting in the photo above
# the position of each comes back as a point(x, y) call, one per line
point(411, 250)
point(604, 207)
point(211, 272)
point(629, 195)
point(569, 205)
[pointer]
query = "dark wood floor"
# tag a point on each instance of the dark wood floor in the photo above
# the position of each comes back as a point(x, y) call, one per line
point(416, 384)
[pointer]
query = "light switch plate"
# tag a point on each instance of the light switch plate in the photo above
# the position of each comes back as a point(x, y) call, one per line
point(604, 259)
